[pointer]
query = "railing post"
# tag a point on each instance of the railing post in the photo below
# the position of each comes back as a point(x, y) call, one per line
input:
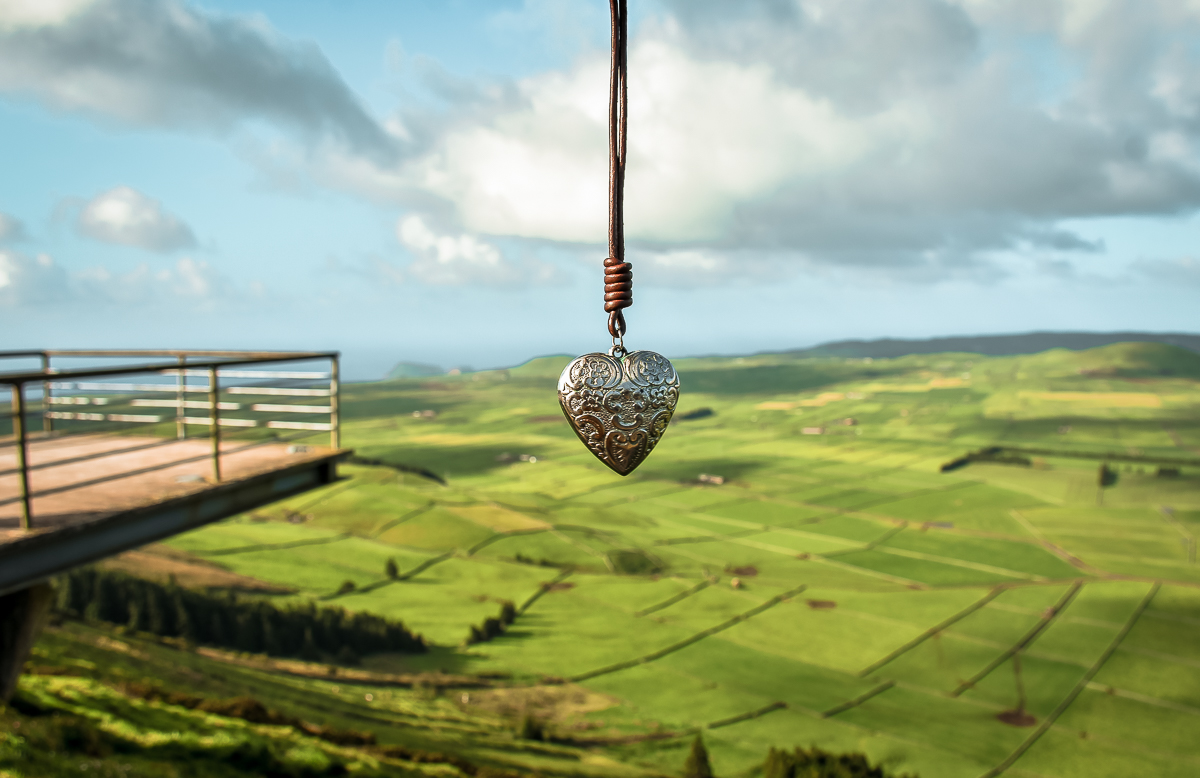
point(335, 415)
point(47, 420)
point(180, 398)
point(18, 405)
point(214, 392)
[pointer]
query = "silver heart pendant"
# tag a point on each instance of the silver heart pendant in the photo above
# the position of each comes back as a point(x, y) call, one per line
point(619, 407)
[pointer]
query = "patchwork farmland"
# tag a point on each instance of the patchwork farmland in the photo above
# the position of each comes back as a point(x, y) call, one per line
point(843, 575)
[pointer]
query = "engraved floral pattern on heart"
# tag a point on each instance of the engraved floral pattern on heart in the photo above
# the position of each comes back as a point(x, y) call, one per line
point(619, 408)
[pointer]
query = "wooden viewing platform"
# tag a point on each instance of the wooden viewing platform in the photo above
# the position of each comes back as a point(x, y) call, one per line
point(116, 463)
point(97, 495)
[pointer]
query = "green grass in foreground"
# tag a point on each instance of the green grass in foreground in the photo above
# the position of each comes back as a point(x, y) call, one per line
point(883, 607)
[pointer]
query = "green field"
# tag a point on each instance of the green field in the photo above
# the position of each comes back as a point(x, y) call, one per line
point(883, 606)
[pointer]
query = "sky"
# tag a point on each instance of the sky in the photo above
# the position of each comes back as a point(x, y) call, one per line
point(404, 180)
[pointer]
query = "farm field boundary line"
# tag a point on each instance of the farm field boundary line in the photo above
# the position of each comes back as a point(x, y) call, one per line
point(1164, 657)
point(428, 563)
point(870, 546)
point(1169, 516)
point(1114, 456)
point(1079, 687)
point(910, 583)
point(672, 600)
point(1053, 548)
point(1100, 578)
point(351, 483)
point(708, 538)
point(535, 530)
point(963, 484)
point(771, 603)
point(675, 735)
point(859, 700)
point(274, 546)
point(410, 515)
point(939, 627)
point(945, 560)
point(542, 590)
point(1143, 698)
point(831, 510)
point(753, 528)
point(1025, 640)
point(754, 714)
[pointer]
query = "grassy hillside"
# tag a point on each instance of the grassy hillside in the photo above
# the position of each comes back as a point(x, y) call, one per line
point(837, 589)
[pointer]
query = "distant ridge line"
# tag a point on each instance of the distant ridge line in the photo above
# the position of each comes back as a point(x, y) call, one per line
point(994, 345)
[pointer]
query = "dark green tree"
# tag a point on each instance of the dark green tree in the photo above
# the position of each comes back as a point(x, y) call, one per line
point(508, 613)
point(816, 763)
point(531, 728)
point(390, 569)
point(105, 604)
point(185, 624)
point(272, 639)
point(308, 649)
point(159, 617)
point(697, 764)
point(137, 611)
point(69, 596)
point(492, 628)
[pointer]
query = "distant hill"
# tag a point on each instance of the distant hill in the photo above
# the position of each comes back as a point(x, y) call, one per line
point(414, 370)
point(995, 345)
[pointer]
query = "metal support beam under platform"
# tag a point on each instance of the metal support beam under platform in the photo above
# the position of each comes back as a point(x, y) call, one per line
point(28, 559)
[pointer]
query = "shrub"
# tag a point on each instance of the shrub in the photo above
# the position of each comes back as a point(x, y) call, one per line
point(492, 627)
point(697, 764)
point(531, 728)
point(816, 763)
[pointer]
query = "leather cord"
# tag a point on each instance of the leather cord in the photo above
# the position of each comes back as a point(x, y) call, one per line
point(618, 274)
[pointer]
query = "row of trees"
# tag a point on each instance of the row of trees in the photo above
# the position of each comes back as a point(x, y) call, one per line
point(251, 625)
point(492, 627)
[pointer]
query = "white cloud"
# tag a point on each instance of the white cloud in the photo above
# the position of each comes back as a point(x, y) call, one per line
point(39, 280)
point(11, 229)
point(161, 63)
point(704, 137)
point(127, 217)
point(911, 134)
point(26, 280)
point(464, 260)
point(920, 136)
point(17, 14)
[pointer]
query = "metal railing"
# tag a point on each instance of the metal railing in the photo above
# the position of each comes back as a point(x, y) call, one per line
point(227, 392)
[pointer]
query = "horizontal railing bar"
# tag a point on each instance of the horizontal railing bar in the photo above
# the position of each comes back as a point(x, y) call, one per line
point(60, 400)
point(81, 386)
point(264, 408)
point(253, 374)
point(206, 421)
point(177, 353)
point(204, 404)
point(276, 391)
point(298, 425)
point(106, 387)
point(131, 417)
point(160, 367)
